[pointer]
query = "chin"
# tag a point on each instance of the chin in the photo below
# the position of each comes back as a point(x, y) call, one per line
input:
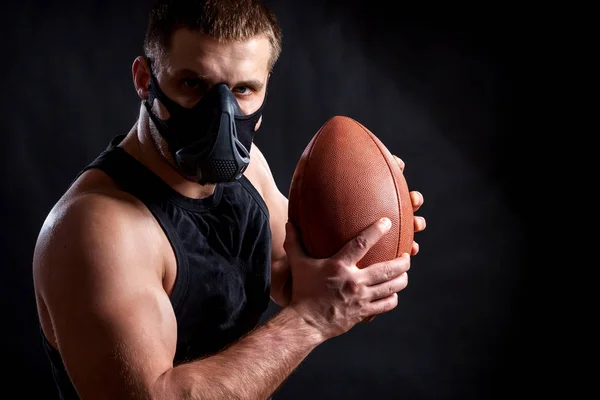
point(194, 179)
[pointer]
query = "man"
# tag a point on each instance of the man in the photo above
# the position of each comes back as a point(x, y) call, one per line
point(154, 268)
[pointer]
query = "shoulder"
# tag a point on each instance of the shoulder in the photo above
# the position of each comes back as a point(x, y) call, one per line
point(259, 173)
point(94, 203)
point(93, 225)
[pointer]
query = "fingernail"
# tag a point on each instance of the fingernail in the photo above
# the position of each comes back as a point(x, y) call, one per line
point(386, 222)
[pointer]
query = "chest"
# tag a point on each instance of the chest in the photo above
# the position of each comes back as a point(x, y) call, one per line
point(221, 257)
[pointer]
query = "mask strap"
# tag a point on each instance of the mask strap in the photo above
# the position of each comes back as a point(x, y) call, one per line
point(256, 113)
point(153, 83)
point(154, 92)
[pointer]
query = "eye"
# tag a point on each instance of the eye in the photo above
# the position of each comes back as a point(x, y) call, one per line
point(242, 90)
point(191, 83)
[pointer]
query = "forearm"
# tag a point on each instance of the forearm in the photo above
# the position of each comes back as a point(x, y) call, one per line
point(252, 368)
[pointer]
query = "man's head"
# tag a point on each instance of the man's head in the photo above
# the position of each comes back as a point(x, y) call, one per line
point(192, 46)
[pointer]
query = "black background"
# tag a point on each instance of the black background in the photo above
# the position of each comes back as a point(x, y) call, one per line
point(438, 87)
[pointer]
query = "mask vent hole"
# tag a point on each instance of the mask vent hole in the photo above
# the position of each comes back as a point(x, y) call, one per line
point(224, 168)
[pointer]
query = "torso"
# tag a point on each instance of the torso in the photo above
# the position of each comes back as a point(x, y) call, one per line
point(96, 181)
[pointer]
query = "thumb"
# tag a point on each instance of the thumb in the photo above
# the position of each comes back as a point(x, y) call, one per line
point(292, 244)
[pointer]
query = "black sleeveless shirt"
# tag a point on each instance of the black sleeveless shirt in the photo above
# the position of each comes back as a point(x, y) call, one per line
point(222, 245)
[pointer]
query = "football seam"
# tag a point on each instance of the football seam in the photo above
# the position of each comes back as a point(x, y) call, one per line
point(393, 179)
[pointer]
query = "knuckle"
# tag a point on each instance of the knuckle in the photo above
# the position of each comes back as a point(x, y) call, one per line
point(352, 287)
point(388, 271)
point(337, 267)
point(363, 305)
point(406, 266)
point(384, 291)
point(360, 242)
point(389, 290)
point(402, 282)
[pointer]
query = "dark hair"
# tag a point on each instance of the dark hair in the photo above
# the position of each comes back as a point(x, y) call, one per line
point(225, 20)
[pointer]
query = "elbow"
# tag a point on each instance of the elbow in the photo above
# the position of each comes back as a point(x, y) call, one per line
point(169, 385)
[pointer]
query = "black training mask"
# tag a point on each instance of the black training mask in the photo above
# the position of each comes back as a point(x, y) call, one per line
point(211, 140)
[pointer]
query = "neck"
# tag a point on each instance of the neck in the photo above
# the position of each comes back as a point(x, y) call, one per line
point(140, 144)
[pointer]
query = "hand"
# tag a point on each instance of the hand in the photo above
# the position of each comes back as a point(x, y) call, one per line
point(417, 201)
point(419, 222)
point(333, 294)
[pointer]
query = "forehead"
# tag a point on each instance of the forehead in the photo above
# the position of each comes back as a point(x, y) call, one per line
point(223, 61)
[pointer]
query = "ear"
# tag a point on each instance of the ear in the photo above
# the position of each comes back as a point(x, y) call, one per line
point(141, 76)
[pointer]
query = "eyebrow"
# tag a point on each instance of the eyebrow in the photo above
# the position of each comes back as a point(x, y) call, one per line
point(252, 83)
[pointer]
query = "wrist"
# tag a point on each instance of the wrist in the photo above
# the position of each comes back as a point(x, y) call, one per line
point(305, 326)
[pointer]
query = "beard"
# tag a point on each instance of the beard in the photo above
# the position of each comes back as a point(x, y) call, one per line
point(163, 149)
point(160, 144)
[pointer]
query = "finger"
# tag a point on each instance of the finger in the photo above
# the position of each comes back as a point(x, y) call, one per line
point(388, 288)
point(416, 199)
point(369, 319)
point(382, 305)
point(401, 163)
point(355, 249)
point(292, 244)
point(414, 249)
point(384, 271)
point(419, 224)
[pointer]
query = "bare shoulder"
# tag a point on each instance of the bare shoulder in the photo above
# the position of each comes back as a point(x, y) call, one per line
point(257, 155)
point(92, 222)
point(93, 206)
point(258, 172)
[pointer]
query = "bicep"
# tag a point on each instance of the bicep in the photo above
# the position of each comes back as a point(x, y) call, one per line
point(112, 320)
point(279, 216)
point(277, 203)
